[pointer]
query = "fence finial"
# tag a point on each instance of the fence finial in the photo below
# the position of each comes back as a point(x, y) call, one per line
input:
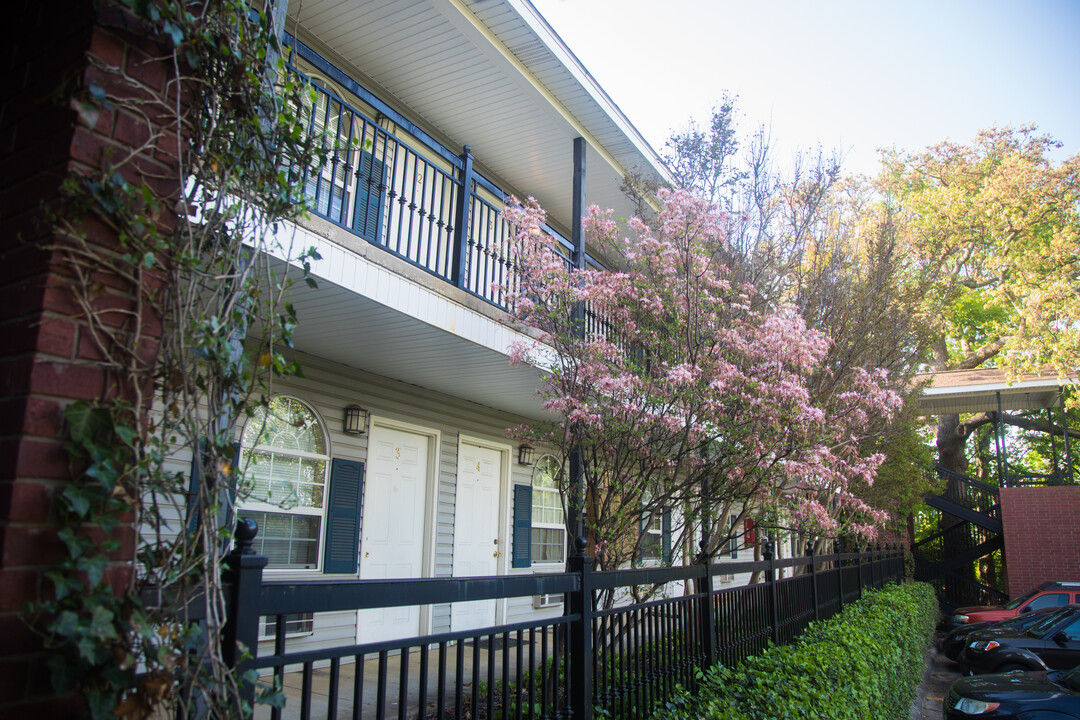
point(246, 530)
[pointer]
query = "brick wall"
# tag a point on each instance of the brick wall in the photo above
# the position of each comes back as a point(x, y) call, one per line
point(46, 359)
point(1042, 535)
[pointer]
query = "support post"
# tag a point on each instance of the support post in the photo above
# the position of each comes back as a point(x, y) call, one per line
point(576, 506)
point(708, 621)
point(577, 230)
point(1065, 436)
point(243, 580)
point(459, 269)
point(838, 546)
point(999, 442)
point(577, 466)
point(770, 577)
point(579, 674)
point(813, 579)
point(859, 563)
point(705, 588)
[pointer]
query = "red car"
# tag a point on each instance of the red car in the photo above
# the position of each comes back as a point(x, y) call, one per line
point(1049, 594)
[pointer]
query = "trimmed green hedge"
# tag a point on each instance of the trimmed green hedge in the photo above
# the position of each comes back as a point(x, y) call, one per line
point(866, 661)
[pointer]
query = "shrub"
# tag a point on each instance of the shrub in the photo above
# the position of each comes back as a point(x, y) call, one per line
point(866, 661)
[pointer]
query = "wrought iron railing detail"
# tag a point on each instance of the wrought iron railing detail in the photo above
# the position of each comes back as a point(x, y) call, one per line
point(392, 184)
point(623, 659)
point(973, 533)
point(970, 493)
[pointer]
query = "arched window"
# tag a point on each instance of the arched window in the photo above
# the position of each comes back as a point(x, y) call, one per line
point(284, 452)
point(548, 516)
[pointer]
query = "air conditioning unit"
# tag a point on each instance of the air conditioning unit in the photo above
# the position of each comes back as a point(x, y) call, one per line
point(547, 601)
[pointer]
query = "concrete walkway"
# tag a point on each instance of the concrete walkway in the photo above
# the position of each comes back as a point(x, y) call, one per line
point(938, 676)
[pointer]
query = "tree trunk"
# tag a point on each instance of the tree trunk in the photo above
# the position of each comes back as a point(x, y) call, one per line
point(951, 444)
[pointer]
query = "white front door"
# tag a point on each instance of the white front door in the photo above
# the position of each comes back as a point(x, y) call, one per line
point(392, 539)
point(477, 547)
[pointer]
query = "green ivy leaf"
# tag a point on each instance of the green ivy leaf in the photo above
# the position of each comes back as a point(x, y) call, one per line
point(85, 422)
point(76, 500)
point(94, 566)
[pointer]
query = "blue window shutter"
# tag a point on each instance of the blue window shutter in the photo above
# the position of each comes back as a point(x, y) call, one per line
point(195, 476)
point(226, 494)
point(665, 534)
point(522, 555)
point(370, 179)
point(342, 553)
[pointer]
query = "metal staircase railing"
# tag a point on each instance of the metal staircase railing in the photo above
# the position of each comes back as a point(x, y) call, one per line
point(976, 533)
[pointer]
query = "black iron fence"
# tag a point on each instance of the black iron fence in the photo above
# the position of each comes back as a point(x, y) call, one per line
point(621, 659)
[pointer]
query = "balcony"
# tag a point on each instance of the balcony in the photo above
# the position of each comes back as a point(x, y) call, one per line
point(393, 185)
point(437, 240)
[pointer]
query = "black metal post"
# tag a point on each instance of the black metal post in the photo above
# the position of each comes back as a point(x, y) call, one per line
point(460, 261)
point(579, 673)
point(577, 229)
point(243, 582)
point(577, 466)
point(859, 563)
point(838, 546)
point(1058, 476)
point(770, 577)
point(813, 579)
point(999, 442)
point(708, 622)
point(1065, 435)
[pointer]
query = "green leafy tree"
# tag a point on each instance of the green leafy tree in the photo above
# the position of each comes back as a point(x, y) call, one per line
point(992, 229)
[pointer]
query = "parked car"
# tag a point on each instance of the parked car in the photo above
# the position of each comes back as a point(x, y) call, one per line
point(957, 640)
point(1050, 644)
point(1048, 594)
point(1016, 695)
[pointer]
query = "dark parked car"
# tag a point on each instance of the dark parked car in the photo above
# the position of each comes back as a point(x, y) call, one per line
point(1016, 695)
point(1050, 644)
point(957, 640)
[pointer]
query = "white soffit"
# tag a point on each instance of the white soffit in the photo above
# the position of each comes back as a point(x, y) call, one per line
point(365, 316)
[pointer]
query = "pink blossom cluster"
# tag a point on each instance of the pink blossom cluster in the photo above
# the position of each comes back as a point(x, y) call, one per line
point(680, 372)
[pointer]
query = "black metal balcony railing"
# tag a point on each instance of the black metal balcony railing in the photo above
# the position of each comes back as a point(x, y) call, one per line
point(393, 185)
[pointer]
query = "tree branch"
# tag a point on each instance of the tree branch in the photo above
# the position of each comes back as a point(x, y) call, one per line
point(973, 423)
point(978, 357)
point(1038, 425)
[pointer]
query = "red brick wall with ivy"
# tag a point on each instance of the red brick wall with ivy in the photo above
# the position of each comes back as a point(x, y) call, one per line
point(46, 359)
point(1042, 535)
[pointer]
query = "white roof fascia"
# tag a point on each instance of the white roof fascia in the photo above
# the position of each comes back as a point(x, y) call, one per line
point(566, 57)
point(999, 387)
point(456, 11)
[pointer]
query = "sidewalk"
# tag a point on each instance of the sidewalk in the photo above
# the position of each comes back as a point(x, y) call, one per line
point(939, 674)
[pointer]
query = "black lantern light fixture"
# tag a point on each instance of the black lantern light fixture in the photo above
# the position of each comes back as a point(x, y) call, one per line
point(355, 420)
point(525, 455)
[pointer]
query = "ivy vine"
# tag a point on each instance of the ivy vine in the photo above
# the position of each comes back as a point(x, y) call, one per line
point(193, 336)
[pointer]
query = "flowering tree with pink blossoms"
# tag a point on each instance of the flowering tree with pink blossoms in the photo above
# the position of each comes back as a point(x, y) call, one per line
point(684, 399)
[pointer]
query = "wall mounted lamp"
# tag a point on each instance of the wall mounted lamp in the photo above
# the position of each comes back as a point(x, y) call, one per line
point(355, 420)
point(525, 455)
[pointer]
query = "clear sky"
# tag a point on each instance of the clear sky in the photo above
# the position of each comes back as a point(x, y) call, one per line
point(853, 75)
